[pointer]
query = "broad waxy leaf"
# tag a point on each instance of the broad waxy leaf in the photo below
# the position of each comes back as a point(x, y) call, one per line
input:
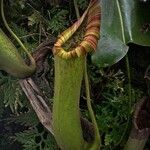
point(123, 22)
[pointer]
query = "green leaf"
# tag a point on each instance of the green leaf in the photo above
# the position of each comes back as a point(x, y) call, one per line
point(110, 50)
point(123, 22)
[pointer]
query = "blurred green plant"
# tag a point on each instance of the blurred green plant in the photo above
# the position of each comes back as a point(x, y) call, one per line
point(82, 4)
point(56, 23)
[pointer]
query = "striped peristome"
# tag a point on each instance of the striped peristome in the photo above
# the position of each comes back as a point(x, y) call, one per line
point(91, 35)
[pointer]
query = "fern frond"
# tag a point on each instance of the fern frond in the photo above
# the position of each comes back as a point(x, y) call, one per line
point(12, 94)
point(26, 119)
point(34, 139)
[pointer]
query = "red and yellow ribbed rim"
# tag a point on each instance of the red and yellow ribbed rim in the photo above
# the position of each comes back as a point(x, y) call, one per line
point(91, 35)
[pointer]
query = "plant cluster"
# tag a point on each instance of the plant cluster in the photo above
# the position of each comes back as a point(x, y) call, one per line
point(113, 107)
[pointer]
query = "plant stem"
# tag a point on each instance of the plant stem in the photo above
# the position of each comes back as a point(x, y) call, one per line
point(97, 141)
point(129, 82)
point(76, 9)
point(126, 57)
point(130, 99)
point(128, 73)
